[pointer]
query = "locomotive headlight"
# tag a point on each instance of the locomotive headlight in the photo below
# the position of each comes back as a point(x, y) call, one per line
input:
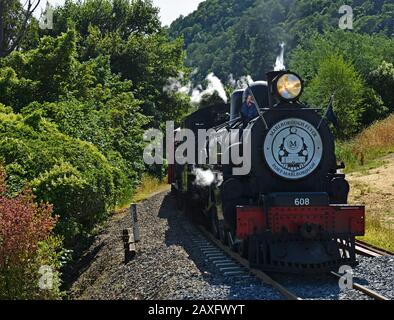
point(289, 86)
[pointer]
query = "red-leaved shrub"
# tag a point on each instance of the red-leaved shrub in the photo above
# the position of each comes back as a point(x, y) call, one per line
point(24, 225)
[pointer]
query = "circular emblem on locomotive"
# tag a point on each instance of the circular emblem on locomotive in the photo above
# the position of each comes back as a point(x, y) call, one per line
point(293, 148)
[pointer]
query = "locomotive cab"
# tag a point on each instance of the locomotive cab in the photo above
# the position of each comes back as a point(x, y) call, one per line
point(260, 92)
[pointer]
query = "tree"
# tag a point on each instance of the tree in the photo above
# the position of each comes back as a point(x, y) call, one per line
point(242, 37)
point(382, 80)
point(44, 74)
point(130, 34)
point(14, 21)
point(335, 75)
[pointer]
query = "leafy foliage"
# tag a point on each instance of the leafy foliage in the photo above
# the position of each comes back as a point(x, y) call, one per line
point(319, 49)
point(382, 80)
point(34, 151)
point(129, 33)
point(228, 37)
point(242, 37)
point(74, 103)
point(26, 244)
point(335, 75)
point(81, 96)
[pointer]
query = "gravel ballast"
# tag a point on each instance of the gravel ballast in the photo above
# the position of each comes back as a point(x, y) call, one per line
point(376, 274)
point(170, 266)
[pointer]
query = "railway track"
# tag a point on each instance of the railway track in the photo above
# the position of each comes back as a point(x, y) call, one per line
point(232, 264)
point(367, 250)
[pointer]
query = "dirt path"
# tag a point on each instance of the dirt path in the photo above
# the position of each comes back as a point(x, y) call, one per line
point(375, 189)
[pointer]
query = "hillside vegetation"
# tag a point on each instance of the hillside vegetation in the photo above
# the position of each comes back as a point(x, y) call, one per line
point(242, 37)
point(368, 149)
point(230, 38)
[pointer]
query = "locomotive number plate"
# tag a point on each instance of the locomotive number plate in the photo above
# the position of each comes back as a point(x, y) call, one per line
point(315, 199)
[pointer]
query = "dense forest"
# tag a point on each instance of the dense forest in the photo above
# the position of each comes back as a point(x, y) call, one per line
point(243, 37)
point(76, 99)
point(239, 38)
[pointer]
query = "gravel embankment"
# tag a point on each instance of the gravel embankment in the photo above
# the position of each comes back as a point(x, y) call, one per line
point(376, 274)
point(168, 265)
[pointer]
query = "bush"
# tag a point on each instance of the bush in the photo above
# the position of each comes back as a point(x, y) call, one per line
point(382, 80)
point(74, 195)
point(26, 244)
point(71, 174)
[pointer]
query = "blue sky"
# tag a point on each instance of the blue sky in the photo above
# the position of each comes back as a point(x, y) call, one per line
point(169, 9)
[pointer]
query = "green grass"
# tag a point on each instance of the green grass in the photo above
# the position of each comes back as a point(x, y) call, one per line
point(378, 233)
point(149, 185)
point(365, 151)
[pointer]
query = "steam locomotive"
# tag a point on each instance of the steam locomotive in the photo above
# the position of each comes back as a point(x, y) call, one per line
point(289, 213)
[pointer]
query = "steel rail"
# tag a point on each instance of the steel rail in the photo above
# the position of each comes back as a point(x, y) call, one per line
point(368, 250)
point(265, 278)
point(363, 289)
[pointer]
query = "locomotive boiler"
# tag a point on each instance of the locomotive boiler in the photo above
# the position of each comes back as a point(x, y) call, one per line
point(290, 211)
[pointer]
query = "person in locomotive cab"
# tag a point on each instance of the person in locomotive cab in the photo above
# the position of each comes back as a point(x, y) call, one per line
point(249, 109)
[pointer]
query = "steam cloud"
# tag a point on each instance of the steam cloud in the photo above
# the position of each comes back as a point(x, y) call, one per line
point(214, 85)
point(197, 93)
point(280, 60)
point(204, 178)
point(180, 85)
point(241, 83)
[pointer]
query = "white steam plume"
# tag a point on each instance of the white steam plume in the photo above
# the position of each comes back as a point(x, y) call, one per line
point(176, 84)
point(214, 85)
point(241, 83)
point(280, 60)
point(204, 178)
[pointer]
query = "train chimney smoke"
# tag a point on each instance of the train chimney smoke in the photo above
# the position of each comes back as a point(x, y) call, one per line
point(280, 60)
point(214, 85)
point(204, 178)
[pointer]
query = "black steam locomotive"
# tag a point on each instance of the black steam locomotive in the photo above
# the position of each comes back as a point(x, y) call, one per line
point(289, 213)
